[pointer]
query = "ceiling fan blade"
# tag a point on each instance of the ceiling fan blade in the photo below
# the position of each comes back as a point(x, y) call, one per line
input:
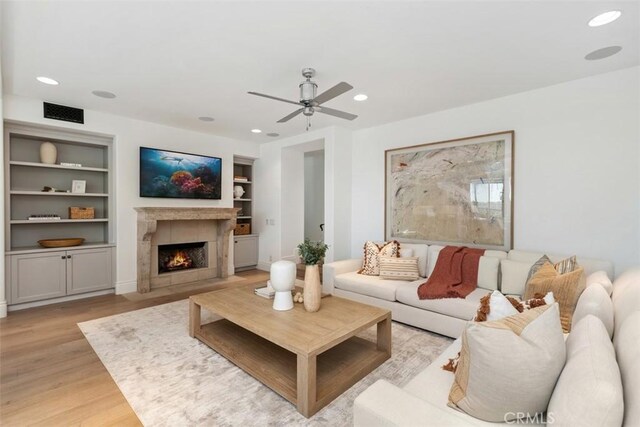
point(337, 90)
point(273, 97)
point(290, 116)
point(336, 113)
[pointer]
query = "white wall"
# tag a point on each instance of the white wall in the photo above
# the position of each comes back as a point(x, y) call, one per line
point(577, 161)
point(129, 135)
point(313, 195)
point(273, 173)
point(3, 296)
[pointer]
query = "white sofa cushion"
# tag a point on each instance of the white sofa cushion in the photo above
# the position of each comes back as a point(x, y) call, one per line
point(490, 386)
point(421, 251)
point(514, 276)
point(461, 308)
point(434, 251)
point(372, 286)
point(628, 354)
point(601, 278)
point(626, 299)
point(589, 390)
point(595, 300)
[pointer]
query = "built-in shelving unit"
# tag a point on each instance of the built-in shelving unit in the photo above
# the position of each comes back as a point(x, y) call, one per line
point(245, 245)
point(35, 273)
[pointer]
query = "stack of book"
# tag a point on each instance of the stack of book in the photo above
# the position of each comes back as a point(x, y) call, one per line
point(265, 292)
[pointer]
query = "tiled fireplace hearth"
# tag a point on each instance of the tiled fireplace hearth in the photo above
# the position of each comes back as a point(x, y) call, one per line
point(182, 245)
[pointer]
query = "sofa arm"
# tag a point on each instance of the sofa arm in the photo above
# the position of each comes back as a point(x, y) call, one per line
point(384, 404)
point(331, 270)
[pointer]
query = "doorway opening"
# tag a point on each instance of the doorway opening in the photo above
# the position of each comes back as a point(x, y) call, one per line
point(314, 195)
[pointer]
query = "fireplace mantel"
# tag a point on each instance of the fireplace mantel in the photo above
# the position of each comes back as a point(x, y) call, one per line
point(147, 223)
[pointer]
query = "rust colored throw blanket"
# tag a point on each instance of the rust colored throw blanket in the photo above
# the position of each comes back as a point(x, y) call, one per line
point(455, 274)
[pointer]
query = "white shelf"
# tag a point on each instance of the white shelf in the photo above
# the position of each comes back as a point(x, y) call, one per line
point(241, 200)
point(243, 217)
point(236, 181)
point(56, 221)
point(46, 193)
point(44, 165)
point(34, 249)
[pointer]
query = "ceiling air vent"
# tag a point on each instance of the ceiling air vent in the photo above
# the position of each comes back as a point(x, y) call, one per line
point(64, 113)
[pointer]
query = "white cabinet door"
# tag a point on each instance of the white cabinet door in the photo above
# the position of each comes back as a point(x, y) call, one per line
point(38, 276)
point(88, 270)
point(245, 251)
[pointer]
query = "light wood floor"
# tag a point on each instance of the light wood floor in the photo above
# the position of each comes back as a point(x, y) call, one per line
point(50, 375)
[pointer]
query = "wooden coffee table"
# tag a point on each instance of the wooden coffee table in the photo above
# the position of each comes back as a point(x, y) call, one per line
point(307, 358)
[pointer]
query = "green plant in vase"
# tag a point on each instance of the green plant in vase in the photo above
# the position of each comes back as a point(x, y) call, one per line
point(312, 253)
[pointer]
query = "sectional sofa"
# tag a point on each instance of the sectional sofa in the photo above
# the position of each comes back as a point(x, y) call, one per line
point(505, 271)
point(599, 385)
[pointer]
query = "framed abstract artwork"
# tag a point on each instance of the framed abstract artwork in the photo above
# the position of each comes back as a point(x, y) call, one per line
point(456, 192)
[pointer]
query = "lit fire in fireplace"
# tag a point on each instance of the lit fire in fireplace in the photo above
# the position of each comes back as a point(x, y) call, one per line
point(178, 260)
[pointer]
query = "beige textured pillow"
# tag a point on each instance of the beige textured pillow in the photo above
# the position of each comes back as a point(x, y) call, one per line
point(490, 386)
point(589, 390)
point(372, 254)
point(405, 268)
point(566, 289)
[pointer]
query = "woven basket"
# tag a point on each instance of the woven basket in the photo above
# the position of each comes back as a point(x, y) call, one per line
point(81, 213)
point(242, 229)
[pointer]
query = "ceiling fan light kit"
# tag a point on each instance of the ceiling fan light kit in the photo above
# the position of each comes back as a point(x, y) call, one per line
point(310, 103)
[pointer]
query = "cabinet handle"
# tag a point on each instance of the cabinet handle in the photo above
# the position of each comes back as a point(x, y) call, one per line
point(63, 257)
point(236, 241)
point(68, 256)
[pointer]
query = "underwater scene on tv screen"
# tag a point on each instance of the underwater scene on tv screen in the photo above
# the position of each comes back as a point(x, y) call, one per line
point(179, 175)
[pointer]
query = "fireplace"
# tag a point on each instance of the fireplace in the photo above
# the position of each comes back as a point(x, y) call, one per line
point(203, 235)
point(181, 256)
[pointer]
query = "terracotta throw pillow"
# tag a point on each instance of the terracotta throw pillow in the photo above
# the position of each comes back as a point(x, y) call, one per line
point(404, 268)
point(494, 380)
point(372, 254)
point(566, 289)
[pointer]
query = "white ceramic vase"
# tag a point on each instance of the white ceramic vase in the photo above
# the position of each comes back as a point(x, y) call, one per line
point(283, 279)
point(238, 191)
point(48, 153)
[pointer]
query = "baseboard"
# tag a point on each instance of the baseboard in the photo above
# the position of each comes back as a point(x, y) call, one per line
point(126, 286)
point(16, 307)
point(3, 309)
point(264, 265)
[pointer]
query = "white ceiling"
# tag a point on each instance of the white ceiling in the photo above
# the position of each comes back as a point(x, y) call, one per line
point(171, 62)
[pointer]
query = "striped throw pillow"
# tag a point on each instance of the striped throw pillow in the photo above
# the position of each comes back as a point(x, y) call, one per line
point(399, 268)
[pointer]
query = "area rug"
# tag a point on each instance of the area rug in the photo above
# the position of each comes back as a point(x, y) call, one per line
point(170, 379)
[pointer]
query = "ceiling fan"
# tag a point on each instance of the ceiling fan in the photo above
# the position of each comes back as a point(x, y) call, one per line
point(310, 103)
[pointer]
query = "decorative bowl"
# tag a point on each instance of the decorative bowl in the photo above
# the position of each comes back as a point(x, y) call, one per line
point(61, 243)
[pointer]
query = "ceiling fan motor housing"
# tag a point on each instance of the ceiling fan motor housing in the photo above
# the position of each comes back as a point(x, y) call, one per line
point(307, 91)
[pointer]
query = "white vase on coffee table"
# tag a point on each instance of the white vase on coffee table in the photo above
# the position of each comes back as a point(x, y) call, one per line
point(283, 279)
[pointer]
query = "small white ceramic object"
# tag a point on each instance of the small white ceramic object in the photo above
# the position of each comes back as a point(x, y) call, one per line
point(48, 153)
point(238, 191)
point(283, 279)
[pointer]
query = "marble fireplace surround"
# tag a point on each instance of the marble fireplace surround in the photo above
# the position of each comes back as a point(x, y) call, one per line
point(147, 224)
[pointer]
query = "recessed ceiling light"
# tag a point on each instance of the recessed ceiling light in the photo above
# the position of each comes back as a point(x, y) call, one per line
point(256, 130)
point(104, 94)
point(273, 134)
point(605, 18)
point(47, 80)
point(206, 119)
point(605, 52)
point(360, 97)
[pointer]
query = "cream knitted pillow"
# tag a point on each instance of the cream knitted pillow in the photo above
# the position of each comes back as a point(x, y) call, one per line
point(494, 380)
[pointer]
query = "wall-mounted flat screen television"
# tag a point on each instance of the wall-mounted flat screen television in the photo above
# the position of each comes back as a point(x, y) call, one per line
point(173, 174)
